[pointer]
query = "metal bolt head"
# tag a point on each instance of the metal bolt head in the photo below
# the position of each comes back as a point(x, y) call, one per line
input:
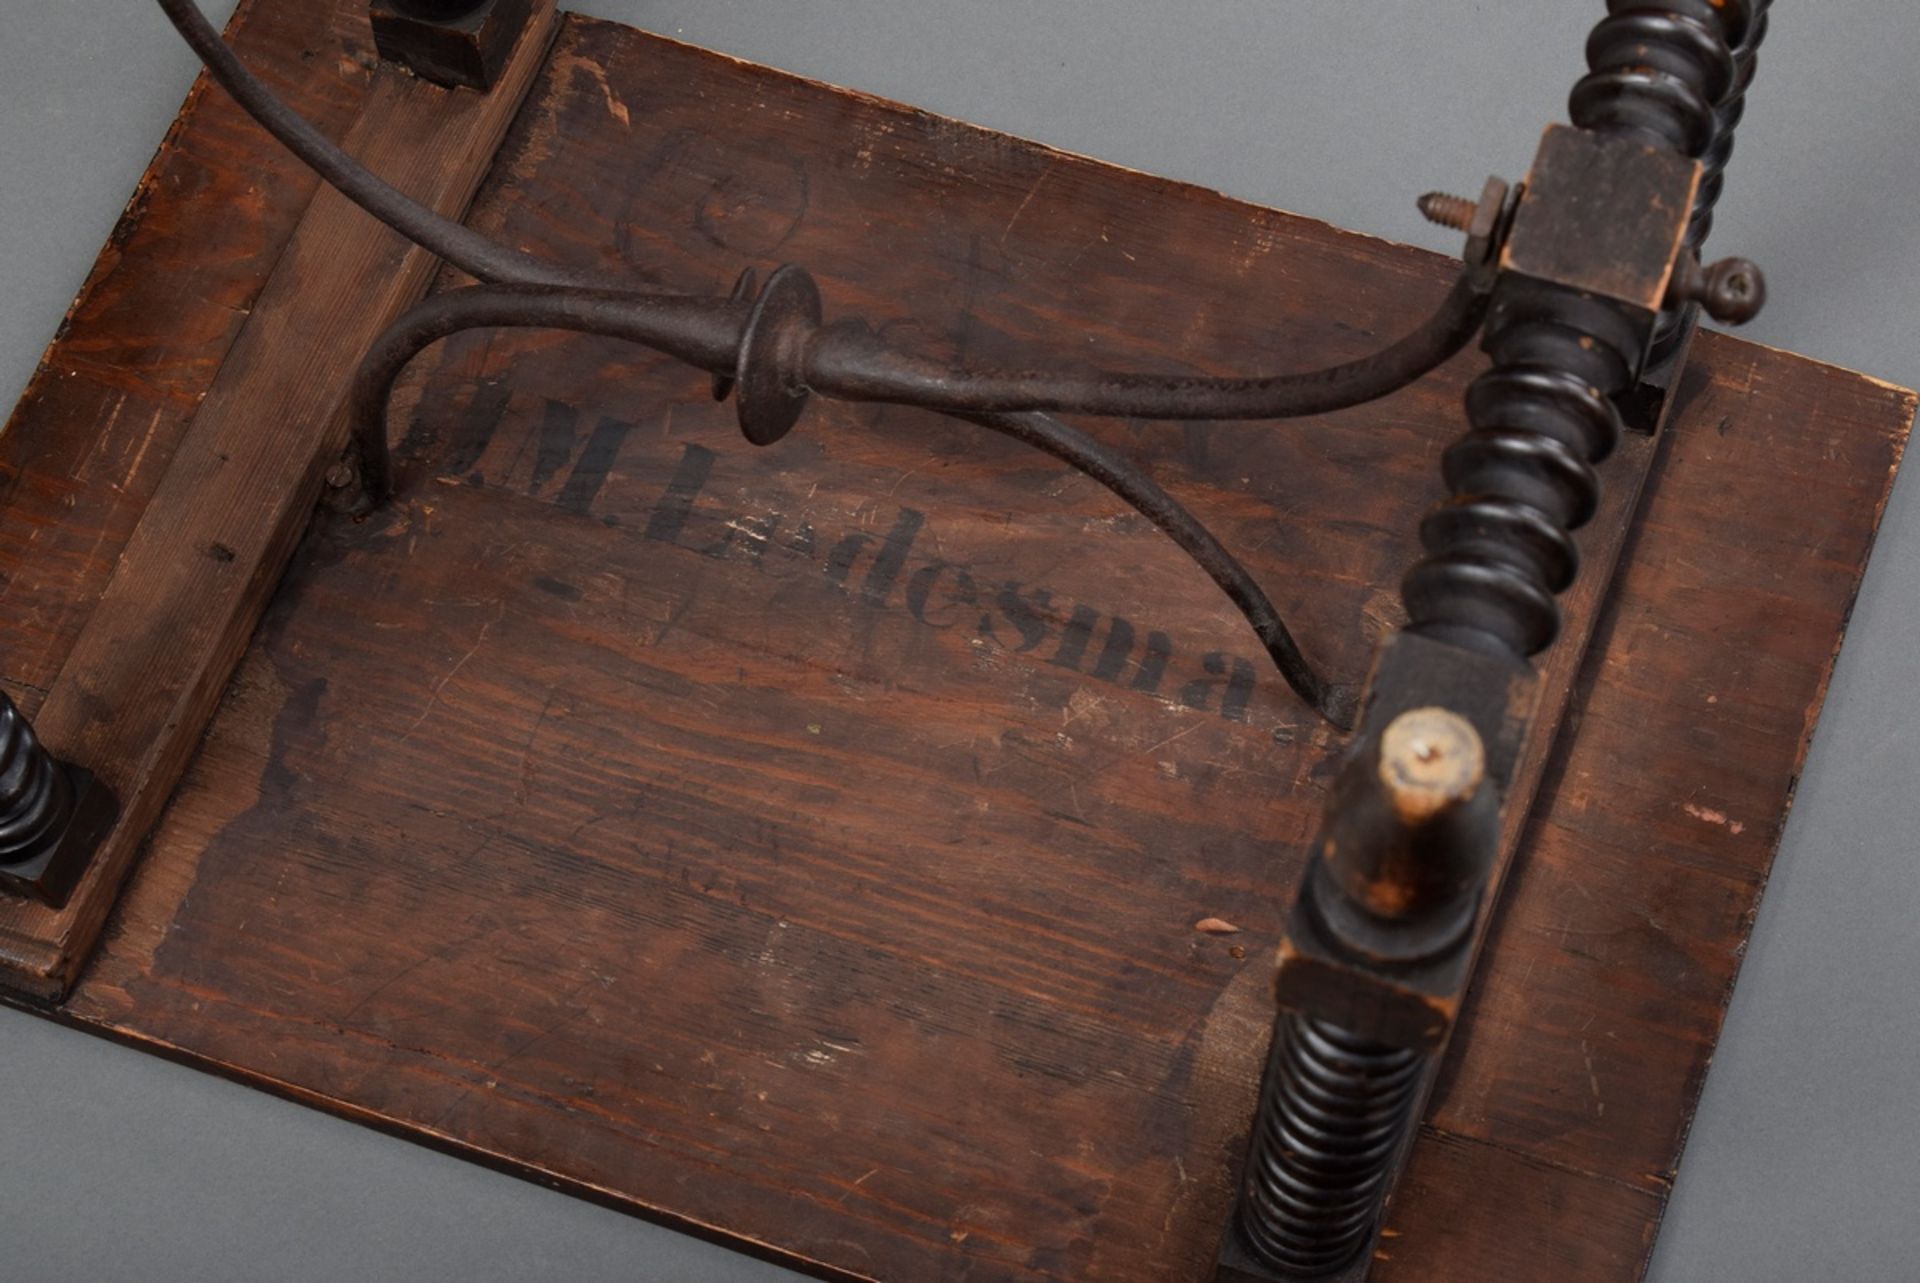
point(1731, 291)
point(1736, 290)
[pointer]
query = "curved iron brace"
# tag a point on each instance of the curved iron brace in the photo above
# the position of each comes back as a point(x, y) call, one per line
point(456, 243)
point(778, 350)
point(849, 360)
point(709, 334)
point(701, 332)
point(857, 365)
point(1141, 492)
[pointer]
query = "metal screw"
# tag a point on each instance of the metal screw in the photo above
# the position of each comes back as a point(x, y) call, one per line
point(1732, 291)
point(1484, 221)
point(1448, 211)
point(340, 476)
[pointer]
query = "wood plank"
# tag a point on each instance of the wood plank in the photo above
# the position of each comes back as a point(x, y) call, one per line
point(554, 598)
point(145, 673)
point(93, 433)
point(1474, 1210)
point(1655, 833)
point(763, 842)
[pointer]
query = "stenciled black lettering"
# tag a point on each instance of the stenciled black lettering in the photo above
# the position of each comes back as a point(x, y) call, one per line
point(669, 519)
point(1112, 664)
point(473, 430)
point(1025, 616)
point(1153, 665)
point(1234, 697)
point(920, 592)
point(1074, 640)
point(840, 560)
point(892, 557)
point(755, 536)
point(596, 461)
point(1015, 616)
point(743, 539)
point(555, 445)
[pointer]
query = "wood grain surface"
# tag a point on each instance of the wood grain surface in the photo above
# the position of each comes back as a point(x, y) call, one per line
point(91, 438)
point(808, 846)
point(148, 666)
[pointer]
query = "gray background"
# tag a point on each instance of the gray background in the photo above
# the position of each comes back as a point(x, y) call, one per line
point(1805, 1161)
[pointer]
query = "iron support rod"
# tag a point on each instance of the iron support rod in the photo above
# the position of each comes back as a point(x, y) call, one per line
point(848, 361)
point(709, 334)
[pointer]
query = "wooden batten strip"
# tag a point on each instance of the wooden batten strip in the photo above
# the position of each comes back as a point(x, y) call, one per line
point(143, 679)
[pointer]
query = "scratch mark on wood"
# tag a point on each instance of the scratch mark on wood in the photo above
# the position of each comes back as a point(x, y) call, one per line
point(1032, 192)
point(433, 700)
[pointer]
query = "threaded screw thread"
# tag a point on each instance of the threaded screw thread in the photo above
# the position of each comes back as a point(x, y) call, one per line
point(1448, 210)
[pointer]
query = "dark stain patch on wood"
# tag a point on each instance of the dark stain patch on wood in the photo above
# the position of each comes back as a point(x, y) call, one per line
point(559, 588)
point(831, 848)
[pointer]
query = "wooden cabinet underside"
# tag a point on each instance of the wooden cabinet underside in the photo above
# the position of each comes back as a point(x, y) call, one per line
point(807, 845)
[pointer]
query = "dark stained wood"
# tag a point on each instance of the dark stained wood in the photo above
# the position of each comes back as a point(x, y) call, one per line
point(817, 834)
point(784, 844)
point(93, 434)
point(146, 670)
point(1590, 1028)
point(1648, 850)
